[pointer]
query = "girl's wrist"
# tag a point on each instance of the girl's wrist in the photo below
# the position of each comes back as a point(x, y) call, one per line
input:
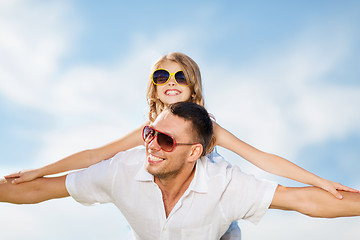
point(318, 181)
point(40, 172)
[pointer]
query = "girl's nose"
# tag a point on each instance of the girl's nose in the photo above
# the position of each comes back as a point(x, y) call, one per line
point(172, 81)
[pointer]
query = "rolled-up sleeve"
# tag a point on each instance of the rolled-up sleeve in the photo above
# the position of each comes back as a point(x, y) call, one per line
point(91, 185)
point(246, 197)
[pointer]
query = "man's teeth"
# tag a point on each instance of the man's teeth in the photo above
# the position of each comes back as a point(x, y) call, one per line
point(155, 159)
point(171, 92)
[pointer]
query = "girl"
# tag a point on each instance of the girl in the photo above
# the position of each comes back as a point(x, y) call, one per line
point(176, 77)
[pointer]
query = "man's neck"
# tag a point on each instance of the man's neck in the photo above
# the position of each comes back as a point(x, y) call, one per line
point(174, 187)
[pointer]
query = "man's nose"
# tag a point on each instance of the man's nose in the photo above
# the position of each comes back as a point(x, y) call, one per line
point(154, 145)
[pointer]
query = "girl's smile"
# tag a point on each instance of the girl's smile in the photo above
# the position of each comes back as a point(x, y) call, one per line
point(172, 92)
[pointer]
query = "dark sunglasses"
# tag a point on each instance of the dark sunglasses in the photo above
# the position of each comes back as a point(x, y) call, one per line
point(166, 142)
point(162, 76)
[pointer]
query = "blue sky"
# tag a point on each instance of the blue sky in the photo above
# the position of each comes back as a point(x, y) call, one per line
point(282, 76)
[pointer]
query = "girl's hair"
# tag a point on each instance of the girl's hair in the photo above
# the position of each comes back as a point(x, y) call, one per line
point(192, 75)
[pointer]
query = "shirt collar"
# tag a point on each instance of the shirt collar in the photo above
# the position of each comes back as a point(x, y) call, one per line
point(199, 183)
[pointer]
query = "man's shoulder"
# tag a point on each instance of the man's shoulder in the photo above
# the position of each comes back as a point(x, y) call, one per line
point(136, 153)
point(222, 170)
point(130, 157)
point(216, 168)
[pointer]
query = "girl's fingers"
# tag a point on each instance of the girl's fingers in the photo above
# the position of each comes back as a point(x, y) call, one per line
point(348, 189)
point(336, 194)
point(16, 181)
point(13, 175)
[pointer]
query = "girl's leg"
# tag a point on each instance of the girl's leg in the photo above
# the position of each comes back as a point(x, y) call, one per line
point(233, 233)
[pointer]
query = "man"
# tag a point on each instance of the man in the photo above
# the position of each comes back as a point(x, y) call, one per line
point(169, 191)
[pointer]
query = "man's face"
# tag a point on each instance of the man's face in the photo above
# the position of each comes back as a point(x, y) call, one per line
point(164, 164)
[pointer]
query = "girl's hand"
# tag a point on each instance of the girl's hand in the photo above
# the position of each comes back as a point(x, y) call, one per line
point(23, 176)
point(332, 188)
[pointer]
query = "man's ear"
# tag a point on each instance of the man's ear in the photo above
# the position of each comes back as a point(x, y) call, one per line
point(195, 153)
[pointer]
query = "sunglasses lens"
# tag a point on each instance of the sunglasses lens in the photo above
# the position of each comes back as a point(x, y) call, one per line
point(148, 134)
point(165, 141)
point(180, 78)
point(160, 76)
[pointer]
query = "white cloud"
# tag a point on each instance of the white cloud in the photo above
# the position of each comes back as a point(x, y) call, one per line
point(34, 37)
point(283, 101)
point(329, 112)
point(49, 219)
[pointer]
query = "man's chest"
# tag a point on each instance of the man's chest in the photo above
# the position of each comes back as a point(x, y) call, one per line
point(193, 213)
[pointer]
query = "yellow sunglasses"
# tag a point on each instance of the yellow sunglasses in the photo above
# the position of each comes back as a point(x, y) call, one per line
point(162, 76)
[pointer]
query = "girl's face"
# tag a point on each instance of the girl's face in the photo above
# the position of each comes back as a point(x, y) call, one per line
point(171, 92)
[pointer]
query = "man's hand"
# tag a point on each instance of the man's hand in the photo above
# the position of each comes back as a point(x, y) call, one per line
point(38, 190)
point(315, 202)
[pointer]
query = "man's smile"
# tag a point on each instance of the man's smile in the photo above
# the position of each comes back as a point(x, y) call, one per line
point(154, 159)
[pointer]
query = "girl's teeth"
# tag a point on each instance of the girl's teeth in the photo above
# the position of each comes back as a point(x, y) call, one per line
point(172, 92)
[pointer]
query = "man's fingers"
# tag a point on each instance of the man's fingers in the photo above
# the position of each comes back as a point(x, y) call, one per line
point(3, 180)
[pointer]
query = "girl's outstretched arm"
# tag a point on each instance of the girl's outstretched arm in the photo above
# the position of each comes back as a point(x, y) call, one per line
point(81, 159)
point(274, 164)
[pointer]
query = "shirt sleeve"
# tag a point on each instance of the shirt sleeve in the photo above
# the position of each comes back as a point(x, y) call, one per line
point(246, 197)
point(92, 185)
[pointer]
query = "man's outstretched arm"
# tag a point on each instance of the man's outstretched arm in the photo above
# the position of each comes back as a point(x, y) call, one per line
point(35, 191)
point(315, 202)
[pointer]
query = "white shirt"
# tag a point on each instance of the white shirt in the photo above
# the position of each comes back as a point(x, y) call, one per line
point(218, 195)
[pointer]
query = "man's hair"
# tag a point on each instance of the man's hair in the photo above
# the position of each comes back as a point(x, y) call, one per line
point(200, 119)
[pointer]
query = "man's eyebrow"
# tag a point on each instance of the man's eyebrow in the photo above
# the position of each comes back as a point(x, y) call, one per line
point(171, 134)
point(165, 132)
